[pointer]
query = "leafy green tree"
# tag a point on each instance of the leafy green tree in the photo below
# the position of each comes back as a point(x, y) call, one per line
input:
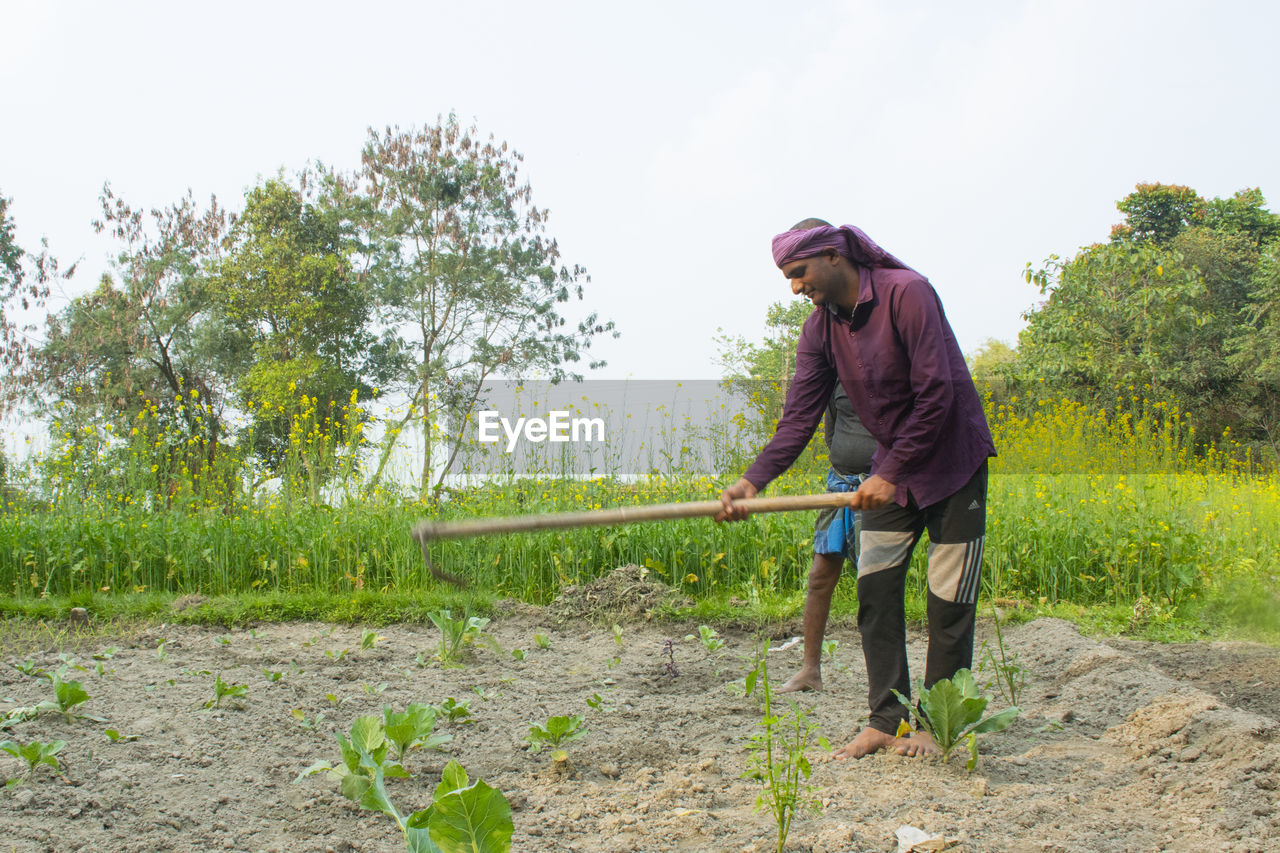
point(762, 371)
point(1172, 310)
point(464, 275)
point(140, 340)
point(24, 286)
point(1256, 350)
point(1158, 212)
point(290, 305)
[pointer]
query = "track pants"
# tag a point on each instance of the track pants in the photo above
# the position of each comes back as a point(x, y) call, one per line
point(957, 527)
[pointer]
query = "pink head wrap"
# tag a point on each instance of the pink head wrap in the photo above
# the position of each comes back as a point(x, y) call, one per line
point(849, 240)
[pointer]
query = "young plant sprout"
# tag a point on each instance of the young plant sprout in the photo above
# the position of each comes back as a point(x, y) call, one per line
point(34, 754)
point(454, 711)
point(951, 710)
point(412, 728)
point(463, 816)
point(1009, 675)
point(368, 639)
point(557, 731)
point(456, 635)
point(777, 760)
point(223, 690)
point(669, 667)
point(709, 638)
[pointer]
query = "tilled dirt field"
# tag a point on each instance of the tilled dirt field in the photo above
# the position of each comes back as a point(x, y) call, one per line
point(1121, 747)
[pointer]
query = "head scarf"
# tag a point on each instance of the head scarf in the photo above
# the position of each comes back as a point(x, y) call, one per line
point(850, 241)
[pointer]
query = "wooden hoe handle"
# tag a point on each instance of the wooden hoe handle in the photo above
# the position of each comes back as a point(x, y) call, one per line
point(424, 531)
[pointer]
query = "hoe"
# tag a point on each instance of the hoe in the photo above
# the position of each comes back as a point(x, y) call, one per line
point(426, 531)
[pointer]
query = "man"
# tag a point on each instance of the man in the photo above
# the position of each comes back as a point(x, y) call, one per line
point(878, 329)
point(835, 535)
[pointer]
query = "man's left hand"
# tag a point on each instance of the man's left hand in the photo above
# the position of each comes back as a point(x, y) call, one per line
point(874, 493)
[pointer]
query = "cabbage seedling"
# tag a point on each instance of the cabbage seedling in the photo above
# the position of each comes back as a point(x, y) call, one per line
point(412, 729)
point(453, 710)
point(558, 731)
point(543, 641)
point(29, 668)
point(67, 694)
point(951, 710)
point(34, 753)
point(464, 817)
point(223, 690)
point(709, 638)
point(368, 640)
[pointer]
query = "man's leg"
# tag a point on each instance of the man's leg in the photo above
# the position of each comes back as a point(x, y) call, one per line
point(888, 537)
point(823, 577)
point(957, 528)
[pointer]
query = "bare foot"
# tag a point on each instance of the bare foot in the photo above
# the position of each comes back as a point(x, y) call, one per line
point(804, 680)
point(916, 744)
point(869, 740)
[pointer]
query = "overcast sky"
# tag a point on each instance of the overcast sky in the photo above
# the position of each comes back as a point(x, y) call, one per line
point(670, 140)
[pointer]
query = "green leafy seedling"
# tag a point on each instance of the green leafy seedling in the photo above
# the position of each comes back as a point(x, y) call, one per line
point(364, 767)
point(777, 754)
point(272, 675)
point(518, 654)
point(951, 710)
point(34, 753)
point(338, 655)
point(456, 635)
point(617, 635)
point(709, 638)
point(557, 732)
point(542, 640)
point(115, 737)
point(599, 703)
point(305, 721)
point(67, 695)
point(368, 639)
point(412, 728)
point(223, 690)
point(464, 817)
point(1009, 675)
point(29, 668)
point(161, 654)
point(454, 711)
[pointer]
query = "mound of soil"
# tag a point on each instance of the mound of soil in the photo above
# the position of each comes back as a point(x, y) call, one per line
point(1110, 754)
point(626, 594)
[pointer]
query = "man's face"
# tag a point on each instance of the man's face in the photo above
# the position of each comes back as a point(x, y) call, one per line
point(815, 278)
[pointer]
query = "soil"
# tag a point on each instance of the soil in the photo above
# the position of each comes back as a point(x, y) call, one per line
point(1121, 745)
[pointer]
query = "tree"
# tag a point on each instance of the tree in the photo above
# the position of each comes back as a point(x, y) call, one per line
point(762, 371)
point(1172, 310)
point(24, 285)
point(466, 280)
point(1256, 350)
point(288, 301)
point(143, 342)
point(1158, 212)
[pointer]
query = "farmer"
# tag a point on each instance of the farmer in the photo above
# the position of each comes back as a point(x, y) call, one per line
point(835, 535)
point(879, 330)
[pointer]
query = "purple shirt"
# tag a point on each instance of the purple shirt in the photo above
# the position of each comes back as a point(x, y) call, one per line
point(902, 369)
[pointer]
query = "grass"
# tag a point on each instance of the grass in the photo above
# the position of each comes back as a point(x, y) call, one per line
point(1119, 519)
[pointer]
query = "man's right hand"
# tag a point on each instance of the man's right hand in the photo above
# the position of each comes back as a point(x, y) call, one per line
point(741, 489)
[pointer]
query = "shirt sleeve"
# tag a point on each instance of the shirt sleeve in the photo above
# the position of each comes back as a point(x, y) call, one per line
point(807, 399)
point(918, 318)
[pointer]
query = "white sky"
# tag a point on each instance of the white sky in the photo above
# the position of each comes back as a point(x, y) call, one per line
point(670, 140)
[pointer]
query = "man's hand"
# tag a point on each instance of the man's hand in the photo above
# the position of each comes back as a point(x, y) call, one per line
point(874, 493)
point(741, 489)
